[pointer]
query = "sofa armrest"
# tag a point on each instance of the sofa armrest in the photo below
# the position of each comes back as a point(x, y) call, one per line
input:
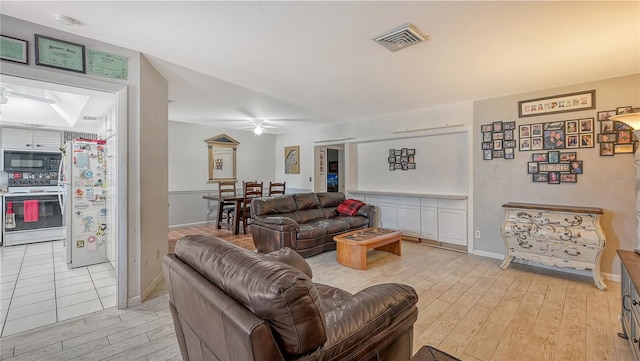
point(368, 211)
point(372, 313)
point(277, 223)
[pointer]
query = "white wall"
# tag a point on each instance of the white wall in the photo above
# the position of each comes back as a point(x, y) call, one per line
point(607, 182)
point(369, 134)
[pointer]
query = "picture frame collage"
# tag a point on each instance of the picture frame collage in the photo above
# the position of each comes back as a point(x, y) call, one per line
point(616, 137)
point(564, 134)
point(555, 167)
point(498, 140)
point(402, 159)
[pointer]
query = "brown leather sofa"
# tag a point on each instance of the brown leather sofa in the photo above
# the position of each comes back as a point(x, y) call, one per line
point(304, 222)
point(232, 304)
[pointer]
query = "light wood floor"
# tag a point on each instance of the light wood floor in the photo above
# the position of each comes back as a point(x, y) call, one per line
point(467, 307)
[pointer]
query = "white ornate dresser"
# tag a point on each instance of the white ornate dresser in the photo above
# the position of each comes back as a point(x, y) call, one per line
point(554, 235)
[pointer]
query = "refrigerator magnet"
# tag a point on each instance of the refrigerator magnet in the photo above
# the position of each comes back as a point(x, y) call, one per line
point(93, 244)
point(80, 243)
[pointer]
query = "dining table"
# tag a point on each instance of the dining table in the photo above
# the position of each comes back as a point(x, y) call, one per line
point(237, 201)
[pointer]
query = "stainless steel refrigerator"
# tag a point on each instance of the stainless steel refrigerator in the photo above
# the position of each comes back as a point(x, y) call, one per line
point(83, 195)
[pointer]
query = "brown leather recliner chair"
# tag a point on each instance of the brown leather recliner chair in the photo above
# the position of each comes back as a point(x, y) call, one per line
point(232, 304)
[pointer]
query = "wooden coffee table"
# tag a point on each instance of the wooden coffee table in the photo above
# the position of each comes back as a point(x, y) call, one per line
point(352, 247)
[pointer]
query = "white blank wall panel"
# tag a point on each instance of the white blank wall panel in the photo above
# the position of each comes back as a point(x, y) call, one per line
point(441, 165)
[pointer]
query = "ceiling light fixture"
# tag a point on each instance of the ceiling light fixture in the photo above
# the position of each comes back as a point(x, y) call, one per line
point(65, 20)
point(258, 130)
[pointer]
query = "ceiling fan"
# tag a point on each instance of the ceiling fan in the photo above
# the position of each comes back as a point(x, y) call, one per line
point(7, 91)
point(259, 125)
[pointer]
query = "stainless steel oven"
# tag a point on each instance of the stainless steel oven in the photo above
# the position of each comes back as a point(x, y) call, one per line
point(38, 218)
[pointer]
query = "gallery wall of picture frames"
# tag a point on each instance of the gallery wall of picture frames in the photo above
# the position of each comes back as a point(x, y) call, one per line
point(616, 137)
point(498, 140)
point(567, 134)
point(555, 167)
point(402, 159)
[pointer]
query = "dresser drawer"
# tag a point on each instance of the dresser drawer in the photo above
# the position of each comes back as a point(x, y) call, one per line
point(559, 234)
point(552, 218)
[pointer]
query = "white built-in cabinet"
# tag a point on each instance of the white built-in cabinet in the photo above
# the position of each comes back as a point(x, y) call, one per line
point(432, 217)
point(31, 139)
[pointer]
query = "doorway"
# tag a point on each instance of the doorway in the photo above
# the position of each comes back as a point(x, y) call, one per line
point(38, 285)
point(329, 168)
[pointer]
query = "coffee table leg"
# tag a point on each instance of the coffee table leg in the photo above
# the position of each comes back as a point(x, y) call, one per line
point(352, 256)
point(394, 247)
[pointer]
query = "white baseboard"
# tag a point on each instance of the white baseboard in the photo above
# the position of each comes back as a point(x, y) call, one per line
point(190, 224)
point(608, 276)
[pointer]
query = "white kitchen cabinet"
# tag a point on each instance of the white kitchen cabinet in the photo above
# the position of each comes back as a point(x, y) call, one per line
point(452, 221)
point(387, 215)
point(31, 139)
point(409, 216)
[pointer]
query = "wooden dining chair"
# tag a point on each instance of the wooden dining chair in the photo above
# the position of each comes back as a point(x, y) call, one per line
point(276, 188)
point(250, 190)
point(228, 209)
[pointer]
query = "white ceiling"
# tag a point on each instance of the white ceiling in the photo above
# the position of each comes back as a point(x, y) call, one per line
point(300, 62)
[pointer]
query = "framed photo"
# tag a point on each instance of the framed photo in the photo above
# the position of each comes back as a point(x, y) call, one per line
point(606, 149)
point(498, 153)
point(397, 152)
point(508, 134)
point(497, 136)
point(624, 110)
point(553, 167)
point(405, 166)
point(404, 159)
point(525, 131)
point(554, 177)
point(532, 167)
point(525, 144)
point(391, 159)
point(497, 126)
point(572, 126)
point(398, 159)
point(568, 178)
point(575, 167)
point(586, 125)
point(604, 115)
point(606, 126)
point(60, 54)
point(623, 148)
point(411, 166)
point(509, 153)
point(540, 157)
point(411, 151)
point(586, 140)
point(392, 166)
point(572, 141)
point(487, 154)
point(403, 152)
point(541, 177)
point(398, 166)
point(392, 153)
point(485, 146)
point(554, 157)
point(411, 159)
point(624, 136)
point(620, 126)
point(536, 143)
point(509, 125)
point(489, 127)
point(606, 137)
point(567, 156)
point(557, 104)
point(536, 130)
point(554, 139)
point(497, 145)
point(509, 144)
point(487, 136)
point(14, 49)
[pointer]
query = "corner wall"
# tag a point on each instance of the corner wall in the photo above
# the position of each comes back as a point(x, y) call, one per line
point(607, 182)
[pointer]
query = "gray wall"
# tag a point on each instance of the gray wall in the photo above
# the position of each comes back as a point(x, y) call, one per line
point(607, 182)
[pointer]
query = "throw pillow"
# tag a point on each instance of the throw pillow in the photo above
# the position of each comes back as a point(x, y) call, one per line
point(349, 207)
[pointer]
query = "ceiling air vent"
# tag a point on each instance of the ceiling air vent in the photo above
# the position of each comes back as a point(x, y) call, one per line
point(401, 37)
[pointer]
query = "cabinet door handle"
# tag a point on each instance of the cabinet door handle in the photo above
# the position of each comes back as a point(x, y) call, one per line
point(624, 304)
point(635, 340)
point(634, 302)
point(38, 145)
point(570, 254)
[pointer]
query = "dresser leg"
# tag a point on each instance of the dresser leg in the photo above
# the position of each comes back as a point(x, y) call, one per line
point(506, 262)
point(597, 277)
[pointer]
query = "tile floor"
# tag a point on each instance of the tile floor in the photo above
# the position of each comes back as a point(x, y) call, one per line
point(37, 288)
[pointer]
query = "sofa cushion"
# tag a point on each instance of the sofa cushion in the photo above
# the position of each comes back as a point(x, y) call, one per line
point(273, 205)
point(332, 225)
point(330, 199)
point(280, 294)
point(309, 215)
point(308, 231)
point(350, 207)
point(292, 258)
point(306, 201)
point(355, 221)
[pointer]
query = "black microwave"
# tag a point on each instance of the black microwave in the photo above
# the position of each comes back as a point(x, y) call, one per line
point(30, 161)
